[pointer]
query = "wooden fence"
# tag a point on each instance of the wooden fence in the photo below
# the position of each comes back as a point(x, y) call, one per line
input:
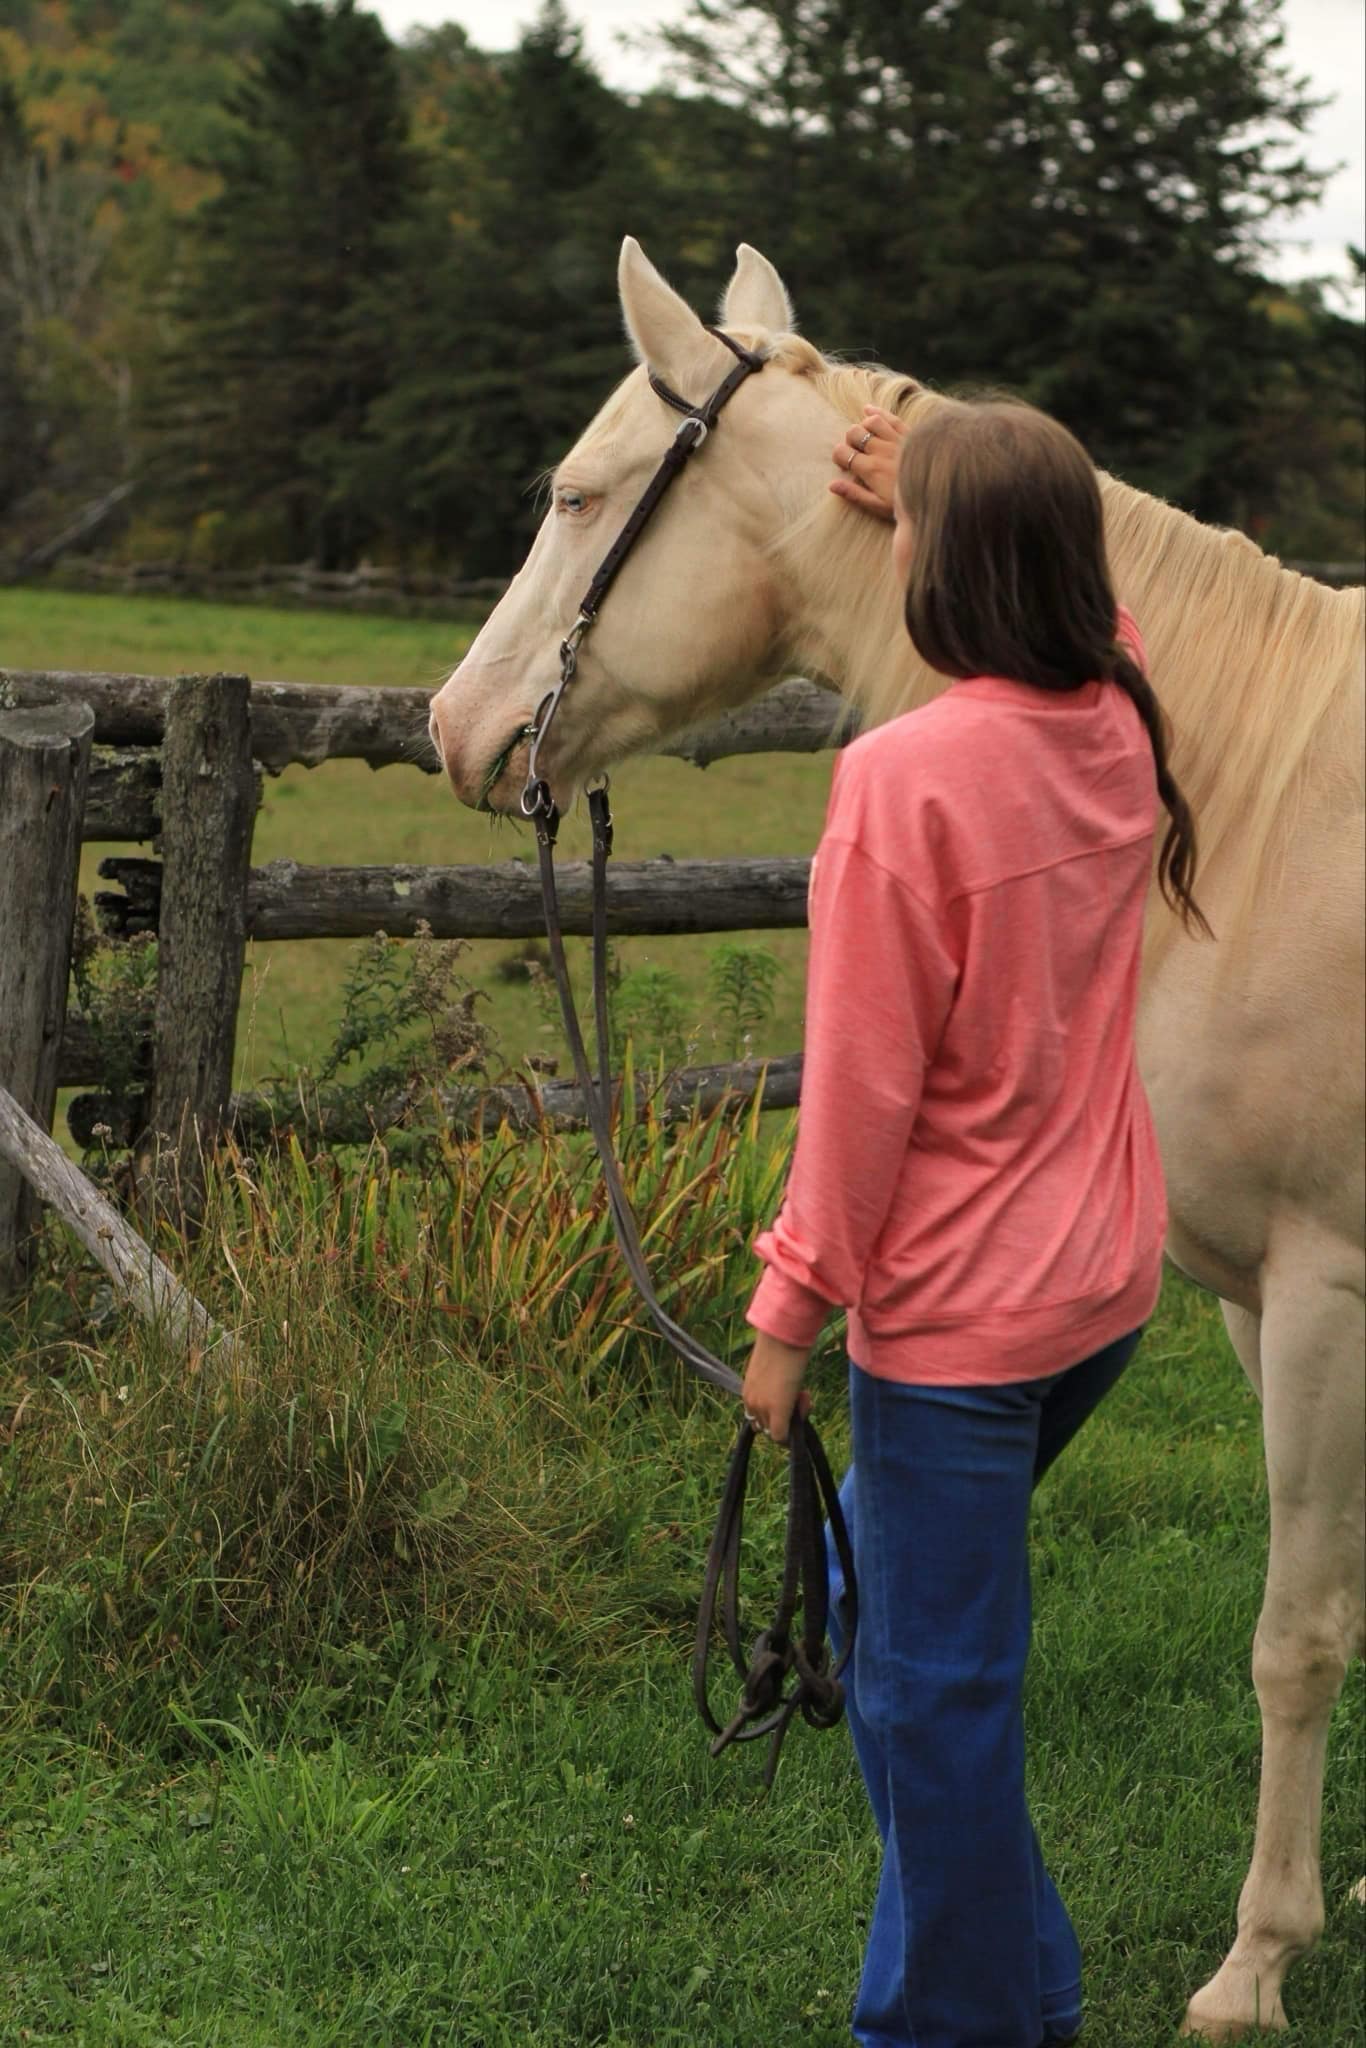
point(365, 589)
point(133, 758)
point(182, 760)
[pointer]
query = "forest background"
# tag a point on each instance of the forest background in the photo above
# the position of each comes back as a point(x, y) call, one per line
point(273, 288)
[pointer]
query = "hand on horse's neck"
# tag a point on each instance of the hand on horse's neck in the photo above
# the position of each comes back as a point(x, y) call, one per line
point(846, 612)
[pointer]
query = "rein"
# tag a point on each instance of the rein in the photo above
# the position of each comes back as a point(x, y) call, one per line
point(765, 1708)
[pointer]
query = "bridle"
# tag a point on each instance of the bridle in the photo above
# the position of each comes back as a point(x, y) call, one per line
point(698, 421)
point(765, 1708)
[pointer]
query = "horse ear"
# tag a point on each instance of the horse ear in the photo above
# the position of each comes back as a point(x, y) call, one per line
point(756, 295)
point(663, 329)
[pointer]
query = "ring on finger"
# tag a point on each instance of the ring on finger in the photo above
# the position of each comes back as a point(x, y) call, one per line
point(867, 437)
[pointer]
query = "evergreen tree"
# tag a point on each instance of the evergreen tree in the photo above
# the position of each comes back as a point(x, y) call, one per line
point(1071, 201)
point(278, 340)
point(514, 337)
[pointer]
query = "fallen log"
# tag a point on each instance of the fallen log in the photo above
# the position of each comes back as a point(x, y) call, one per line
point(92, 516)
point(136, 1271)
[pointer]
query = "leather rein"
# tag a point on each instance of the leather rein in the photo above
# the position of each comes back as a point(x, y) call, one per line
point(765, 1707)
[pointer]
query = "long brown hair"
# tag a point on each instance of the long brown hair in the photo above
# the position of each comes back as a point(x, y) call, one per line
point(1009, 577)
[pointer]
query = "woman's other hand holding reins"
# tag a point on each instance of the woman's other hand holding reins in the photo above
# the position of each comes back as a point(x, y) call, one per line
point(867, 460)
point(773, 1385)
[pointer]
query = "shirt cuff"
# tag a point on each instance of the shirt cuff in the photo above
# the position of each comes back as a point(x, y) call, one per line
point(784, 1309)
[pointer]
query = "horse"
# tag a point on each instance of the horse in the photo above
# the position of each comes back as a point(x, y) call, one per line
point(1250, 1049)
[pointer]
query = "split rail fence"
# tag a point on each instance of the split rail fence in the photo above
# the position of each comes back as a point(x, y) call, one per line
point(93, 757)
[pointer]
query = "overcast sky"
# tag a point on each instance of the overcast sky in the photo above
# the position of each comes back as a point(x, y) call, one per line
point(1325, 39)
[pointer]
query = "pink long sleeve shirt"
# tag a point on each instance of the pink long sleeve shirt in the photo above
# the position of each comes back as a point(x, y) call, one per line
point(976, 1175)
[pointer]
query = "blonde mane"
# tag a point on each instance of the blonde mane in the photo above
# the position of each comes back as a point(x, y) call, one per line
point(1258, 669)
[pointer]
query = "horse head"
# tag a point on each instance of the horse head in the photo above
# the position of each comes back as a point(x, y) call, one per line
point(702, 616)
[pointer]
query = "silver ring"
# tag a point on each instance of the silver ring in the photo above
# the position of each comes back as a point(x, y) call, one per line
point(753, 1421)
point(868, 435)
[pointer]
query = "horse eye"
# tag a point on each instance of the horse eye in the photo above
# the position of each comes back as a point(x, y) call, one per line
point(572, 502)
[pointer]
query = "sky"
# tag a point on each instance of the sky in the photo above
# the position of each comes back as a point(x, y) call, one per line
point(1326, 39)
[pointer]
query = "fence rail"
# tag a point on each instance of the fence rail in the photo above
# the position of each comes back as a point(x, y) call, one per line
point(133, 795)
point(367, 588)
point(663, 897)
point(306, 724)
point(151, 770)
point(467, 1112)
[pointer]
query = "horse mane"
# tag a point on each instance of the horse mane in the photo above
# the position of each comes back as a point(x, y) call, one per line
point(1258, 669)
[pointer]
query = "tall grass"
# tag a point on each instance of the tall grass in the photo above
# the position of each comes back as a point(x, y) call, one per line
point(343, 1690)
point(425, 1399)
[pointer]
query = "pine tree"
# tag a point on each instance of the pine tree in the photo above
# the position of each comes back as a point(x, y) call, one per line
point(514, 337)
point(278, 338)
point(1068, 201)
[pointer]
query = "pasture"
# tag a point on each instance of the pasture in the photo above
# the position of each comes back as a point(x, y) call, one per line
point(346, 1699)
point(346, 812)
point(343, 1697)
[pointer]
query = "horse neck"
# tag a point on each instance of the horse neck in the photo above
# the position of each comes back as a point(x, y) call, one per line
point(1256, 668)
point(844, 610)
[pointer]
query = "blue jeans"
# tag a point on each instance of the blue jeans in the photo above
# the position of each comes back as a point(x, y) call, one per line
point(970, 1945)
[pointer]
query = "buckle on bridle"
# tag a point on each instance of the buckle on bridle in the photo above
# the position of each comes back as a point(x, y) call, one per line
point(574, 637)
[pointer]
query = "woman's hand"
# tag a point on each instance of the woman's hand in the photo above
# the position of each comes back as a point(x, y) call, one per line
point(867, 460)
point(773, 1386)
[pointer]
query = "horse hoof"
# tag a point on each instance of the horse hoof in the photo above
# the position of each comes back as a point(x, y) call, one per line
point(1202, 2024)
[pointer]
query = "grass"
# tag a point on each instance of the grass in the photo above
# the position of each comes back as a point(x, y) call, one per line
point(345, 1694)
point(347, 813)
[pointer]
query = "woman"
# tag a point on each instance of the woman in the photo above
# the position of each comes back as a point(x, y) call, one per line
point(976, 1176)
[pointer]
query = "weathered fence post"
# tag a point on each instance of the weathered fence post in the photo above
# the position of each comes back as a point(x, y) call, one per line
point(44, 765)
point(208, 802)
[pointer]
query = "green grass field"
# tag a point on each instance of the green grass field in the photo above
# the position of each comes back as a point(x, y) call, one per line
point(347, 813)
point(344, 1691)
point(344, 1698)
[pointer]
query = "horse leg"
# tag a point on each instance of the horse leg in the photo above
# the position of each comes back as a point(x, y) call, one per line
point(1310, 1625)
point(1245, 1335)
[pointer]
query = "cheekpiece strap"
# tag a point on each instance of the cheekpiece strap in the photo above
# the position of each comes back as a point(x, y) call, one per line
point(698, 421)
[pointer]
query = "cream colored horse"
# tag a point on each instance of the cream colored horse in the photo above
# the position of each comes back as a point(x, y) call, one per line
point(1251, 1050)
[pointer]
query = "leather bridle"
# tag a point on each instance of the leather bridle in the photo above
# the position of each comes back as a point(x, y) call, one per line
point(764, 1708)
